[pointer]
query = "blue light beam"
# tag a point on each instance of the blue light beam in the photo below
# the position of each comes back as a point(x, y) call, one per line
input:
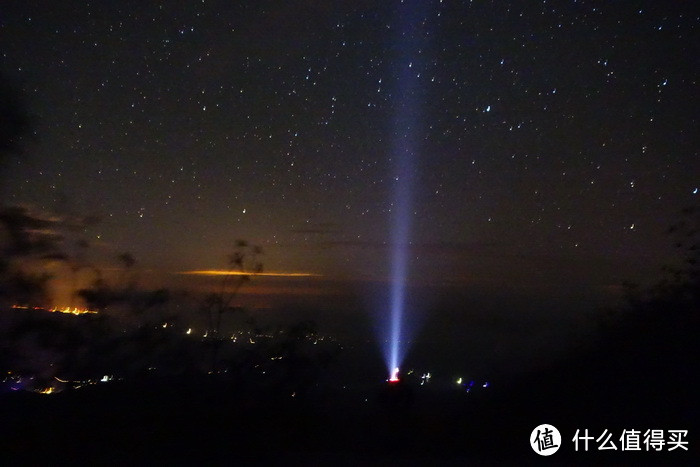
point(406, 126)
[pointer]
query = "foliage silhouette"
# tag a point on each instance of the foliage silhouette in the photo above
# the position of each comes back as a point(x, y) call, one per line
point(242, 263)
point(648, 350)
point(677, 294)
point(143, 333)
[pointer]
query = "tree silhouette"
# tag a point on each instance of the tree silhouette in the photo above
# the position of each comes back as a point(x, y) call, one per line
point(678, 291)
point(653, 344)
point(241, 265)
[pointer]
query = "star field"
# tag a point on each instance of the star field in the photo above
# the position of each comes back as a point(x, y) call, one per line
point(554, 141)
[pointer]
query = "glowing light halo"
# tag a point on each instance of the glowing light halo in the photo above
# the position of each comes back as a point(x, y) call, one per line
point(395, 376)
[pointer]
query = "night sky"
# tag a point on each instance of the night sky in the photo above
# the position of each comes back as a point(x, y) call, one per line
point(552, 142)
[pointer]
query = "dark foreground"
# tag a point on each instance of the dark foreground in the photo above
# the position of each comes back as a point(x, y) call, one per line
point(205, 421)
point(642, 376)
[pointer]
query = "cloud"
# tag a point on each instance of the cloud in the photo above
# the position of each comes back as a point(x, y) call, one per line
point(218, 272)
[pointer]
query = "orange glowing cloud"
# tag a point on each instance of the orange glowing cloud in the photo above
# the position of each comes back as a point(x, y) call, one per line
point(218, 272)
